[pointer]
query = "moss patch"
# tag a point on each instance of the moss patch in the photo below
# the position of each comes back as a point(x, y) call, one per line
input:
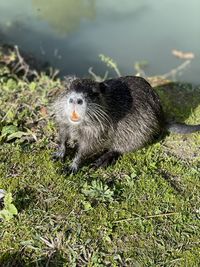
point(144, 211)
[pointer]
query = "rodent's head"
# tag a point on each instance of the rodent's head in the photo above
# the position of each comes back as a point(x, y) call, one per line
point(83, 98)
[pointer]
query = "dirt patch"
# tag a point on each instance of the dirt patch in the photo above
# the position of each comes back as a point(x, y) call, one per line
point(185, 148)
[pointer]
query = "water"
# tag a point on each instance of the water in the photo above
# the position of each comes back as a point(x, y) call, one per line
point(71, 34)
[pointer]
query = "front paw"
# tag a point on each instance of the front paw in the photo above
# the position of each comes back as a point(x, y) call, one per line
point(58, 155)
point(73, 168)
point(70, 170)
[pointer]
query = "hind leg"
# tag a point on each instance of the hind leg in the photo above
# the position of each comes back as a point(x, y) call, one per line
point(106, 159)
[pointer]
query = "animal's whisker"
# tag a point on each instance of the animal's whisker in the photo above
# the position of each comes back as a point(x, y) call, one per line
point(121, 119)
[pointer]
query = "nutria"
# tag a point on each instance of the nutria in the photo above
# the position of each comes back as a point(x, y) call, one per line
point(111, 117)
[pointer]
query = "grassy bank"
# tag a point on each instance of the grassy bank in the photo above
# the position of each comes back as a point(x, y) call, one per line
point(143, 211)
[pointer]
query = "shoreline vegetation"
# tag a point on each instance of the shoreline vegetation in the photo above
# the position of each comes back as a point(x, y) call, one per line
point(143, 211)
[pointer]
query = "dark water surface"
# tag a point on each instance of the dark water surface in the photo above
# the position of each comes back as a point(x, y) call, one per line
point(70, 34)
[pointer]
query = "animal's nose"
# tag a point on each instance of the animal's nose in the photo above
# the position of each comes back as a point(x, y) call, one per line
point(78, 101)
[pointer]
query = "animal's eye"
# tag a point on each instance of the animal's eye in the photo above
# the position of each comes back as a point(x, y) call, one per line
point(79, 101)
point(70, 100)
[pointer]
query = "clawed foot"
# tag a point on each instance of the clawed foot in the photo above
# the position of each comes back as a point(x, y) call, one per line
point(70, 170)
point(73, 168)
point(105, 160)
point(58, 155)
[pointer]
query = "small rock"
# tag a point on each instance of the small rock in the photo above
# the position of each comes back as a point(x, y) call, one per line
point(2, 193)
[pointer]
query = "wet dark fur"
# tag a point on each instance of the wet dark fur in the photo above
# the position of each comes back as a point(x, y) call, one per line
point(132, 117)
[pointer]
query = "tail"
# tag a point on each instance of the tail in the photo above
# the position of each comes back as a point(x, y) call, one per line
point(182, 128)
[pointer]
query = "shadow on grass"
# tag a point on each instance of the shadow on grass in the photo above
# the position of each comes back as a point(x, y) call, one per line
point(18, 259)
point(24, 197)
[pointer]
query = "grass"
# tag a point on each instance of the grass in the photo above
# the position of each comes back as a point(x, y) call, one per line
point(143, 211)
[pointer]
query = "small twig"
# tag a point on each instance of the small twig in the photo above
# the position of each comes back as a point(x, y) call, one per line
point(53, 73)
point(21, 60)
point(50, 243)
point(117, 71)
point(96, 77)
point(110, 63)
point(22, 65)
point(162, 215)
point(174, 71)
point(139, 71)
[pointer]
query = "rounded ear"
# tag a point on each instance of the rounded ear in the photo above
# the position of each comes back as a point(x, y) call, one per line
point(68, 80)
point(103, 86)
point(95, 89)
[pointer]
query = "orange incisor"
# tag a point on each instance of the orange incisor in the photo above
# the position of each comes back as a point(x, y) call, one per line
point(75, 116)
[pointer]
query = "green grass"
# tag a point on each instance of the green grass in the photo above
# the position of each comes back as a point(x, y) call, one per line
point(143, 211)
